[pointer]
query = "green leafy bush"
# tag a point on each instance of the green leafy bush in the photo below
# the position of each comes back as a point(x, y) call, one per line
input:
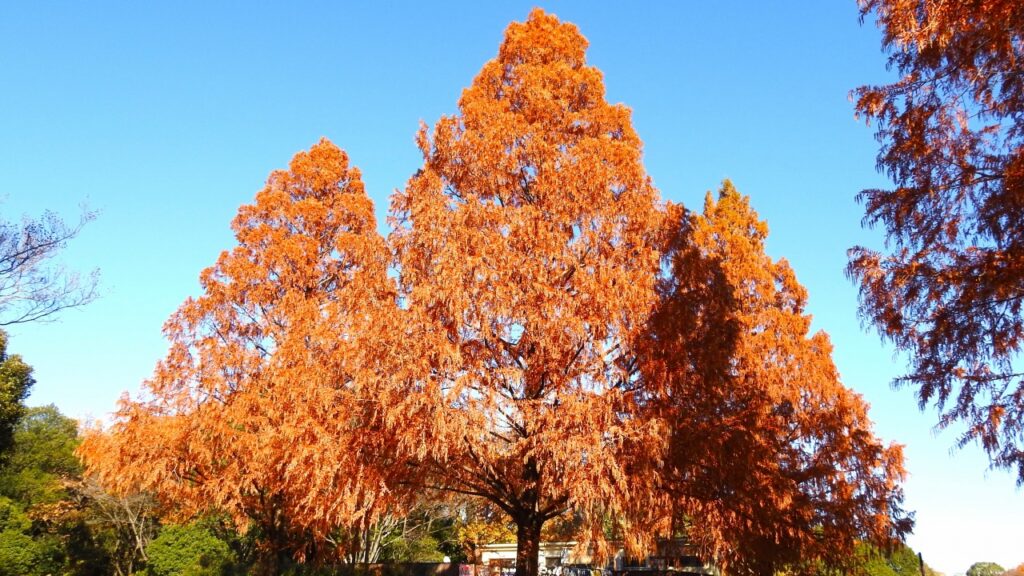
point(19, 554)
point(190, 550)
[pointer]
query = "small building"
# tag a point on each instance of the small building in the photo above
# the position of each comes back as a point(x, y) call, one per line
point(563, 559)
point(550, 555)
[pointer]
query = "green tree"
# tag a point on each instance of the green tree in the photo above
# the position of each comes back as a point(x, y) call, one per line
point(421, 548)
point(42, 459)
point(902, 561)
point(189, 550)
point(869, 560)
point(985, 569)
point(15, 382)
point(19, 553)
point(41, 484)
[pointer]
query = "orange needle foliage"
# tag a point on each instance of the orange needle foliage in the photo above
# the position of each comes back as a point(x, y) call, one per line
point(951, 288)
point(771, 461)
point(527, 252)
point(559, 342)
point(260, 392)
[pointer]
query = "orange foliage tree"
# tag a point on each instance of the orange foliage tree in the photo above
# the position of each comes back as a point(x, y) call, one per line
point(260, 390)
point(556, 341)
point(950, 290)
point(771, 461)
point(526, 245)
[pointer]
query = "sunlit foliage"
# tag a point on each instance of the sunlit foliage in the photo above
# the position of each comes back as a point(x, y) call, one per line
point(949, 288)
point(771, 460)
point(540, 331)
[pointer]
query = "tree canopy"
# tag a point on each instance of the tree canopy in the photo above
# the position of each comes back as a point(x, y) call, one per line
point(771, 460)
point(16, 382)
point(49, 527)
point(949, 288)
point(539, 331)
point(527, 257)
point(257, 408)
point(43, 457)
point(985, 569)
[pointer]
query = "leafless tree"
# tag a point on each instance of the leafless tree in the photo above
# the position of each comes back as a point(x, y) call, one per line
point(33, 285)
point(130, 518)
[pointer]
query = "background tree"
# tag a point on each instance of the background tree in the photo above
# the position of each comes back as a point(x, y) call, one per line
point(423, 532)
point(122, 524)
point(985, 569)
point(901, 561)
point(527, 262)
point(872, 561)
point(949, 289)
point(772, 464)
point(39, 484)
point(43, 460)
point(483, 524)
point(19, 553)
point(33, 286)
point(260, 395)
point(15, 383)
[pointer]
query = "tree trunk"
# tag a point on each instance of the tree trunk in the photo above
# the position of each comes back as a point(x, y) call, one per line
point(268, 564)
point(527, 544)
point(275, 551)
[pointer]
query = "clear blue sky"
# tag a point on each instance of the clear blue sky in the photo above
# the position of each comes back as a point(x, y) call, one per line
point(167, 117)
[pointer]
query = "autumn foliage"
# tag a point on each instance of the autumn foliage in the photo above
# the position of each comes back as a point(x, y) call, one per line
point(770, 459)
point(539, 331)
point(948, 290)
point(527, 252)
point(259, 391)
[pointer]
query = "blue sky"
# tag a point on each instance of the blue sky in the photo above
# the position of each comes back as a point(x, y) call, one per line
point(166, 117)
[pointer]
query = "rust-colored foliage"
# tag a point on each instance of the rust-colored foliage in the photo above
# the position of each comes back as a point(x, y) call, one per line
point(949, 290)
point(260, 395)
point(559, 343)
point(771, 460)
point(526, 246)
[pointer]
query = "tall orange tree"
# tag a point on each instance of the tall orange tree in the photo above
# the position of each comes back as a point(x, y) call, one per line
point(526, 245)
point(771, 463)
point(949, 289)
point(262, 386)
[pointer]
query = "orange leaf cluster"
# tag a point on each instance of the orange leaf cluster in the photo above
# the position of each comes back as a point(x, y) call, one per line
point(261, 400)
point(771, 460)
point(949, 292)
point(527, 252)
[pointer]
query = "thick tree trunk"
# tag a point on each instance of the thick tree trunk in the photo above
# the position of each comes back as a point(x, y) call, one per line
point(275, 552)
point(527, 544)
